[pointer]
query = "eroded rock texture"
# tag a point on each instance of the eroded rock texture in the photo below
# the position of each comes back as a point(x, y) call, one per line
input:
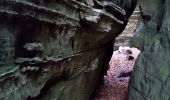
point(56, 49)
point(151, 77)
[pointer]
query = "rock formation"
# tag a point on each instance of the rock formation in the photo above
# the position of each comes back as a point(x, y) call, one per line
point(124, 38)
point(57, 49)
point(151, 76)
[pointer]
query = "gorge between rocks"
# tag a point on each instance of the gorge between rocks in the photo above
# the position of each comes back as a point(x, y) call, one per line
point(61, 49)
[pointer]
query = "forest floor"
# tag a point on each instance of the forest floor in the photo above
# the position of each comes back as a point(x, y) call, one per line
point(115, 87)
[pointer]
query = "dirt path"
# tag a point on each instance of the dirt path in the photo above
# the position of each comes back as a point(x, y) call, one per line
point(115, 87)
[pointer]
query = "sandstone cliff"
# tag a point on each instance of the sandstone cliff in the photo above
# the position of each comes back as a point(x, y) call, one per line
point(151, 76)
point(57, 49)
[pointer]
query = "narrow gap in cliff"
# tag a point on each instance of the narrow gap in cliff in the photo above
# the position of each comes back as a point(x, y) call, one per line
point(121, 64)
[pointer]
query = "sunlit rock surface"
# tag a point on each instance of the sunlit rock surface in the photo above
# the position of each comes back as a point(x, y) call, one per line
point(58, 49)
point(124, 38)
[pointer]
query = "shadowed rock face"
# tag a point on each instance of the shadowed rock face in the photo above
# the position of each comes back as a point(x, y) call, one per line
point(151, 76)
point(58, 49)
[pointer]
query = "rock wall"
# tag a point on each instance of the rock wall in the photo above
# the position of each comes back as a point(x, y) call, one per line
point(151, 76)
point(124, 38)
point(57, 49)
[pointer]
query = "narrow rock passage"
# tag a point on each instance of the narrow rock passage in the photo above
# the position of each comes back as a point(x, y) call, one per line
point(116, 82)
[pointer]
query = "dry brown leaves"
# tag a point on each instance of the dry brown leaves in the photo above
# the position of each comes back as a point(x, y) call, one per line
point(115, 88)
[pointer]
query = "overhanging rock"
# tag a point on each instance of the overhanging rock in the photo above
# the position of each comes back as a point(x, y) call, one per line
point(55, 49)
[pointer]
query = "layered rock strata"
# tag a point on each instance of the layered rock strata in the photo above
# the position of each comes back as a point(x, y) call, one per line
point(58, 49)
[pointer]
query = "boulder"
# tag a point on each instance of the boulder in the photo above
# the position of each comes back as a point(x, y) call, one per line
point(150, 79)
point(55, 49)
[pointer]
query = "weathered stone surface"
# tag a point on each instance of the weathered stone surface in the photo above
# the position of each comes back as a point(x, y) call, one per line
point(124, 38)
point(148, 8)
point(55, 50)
point(151, 76)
